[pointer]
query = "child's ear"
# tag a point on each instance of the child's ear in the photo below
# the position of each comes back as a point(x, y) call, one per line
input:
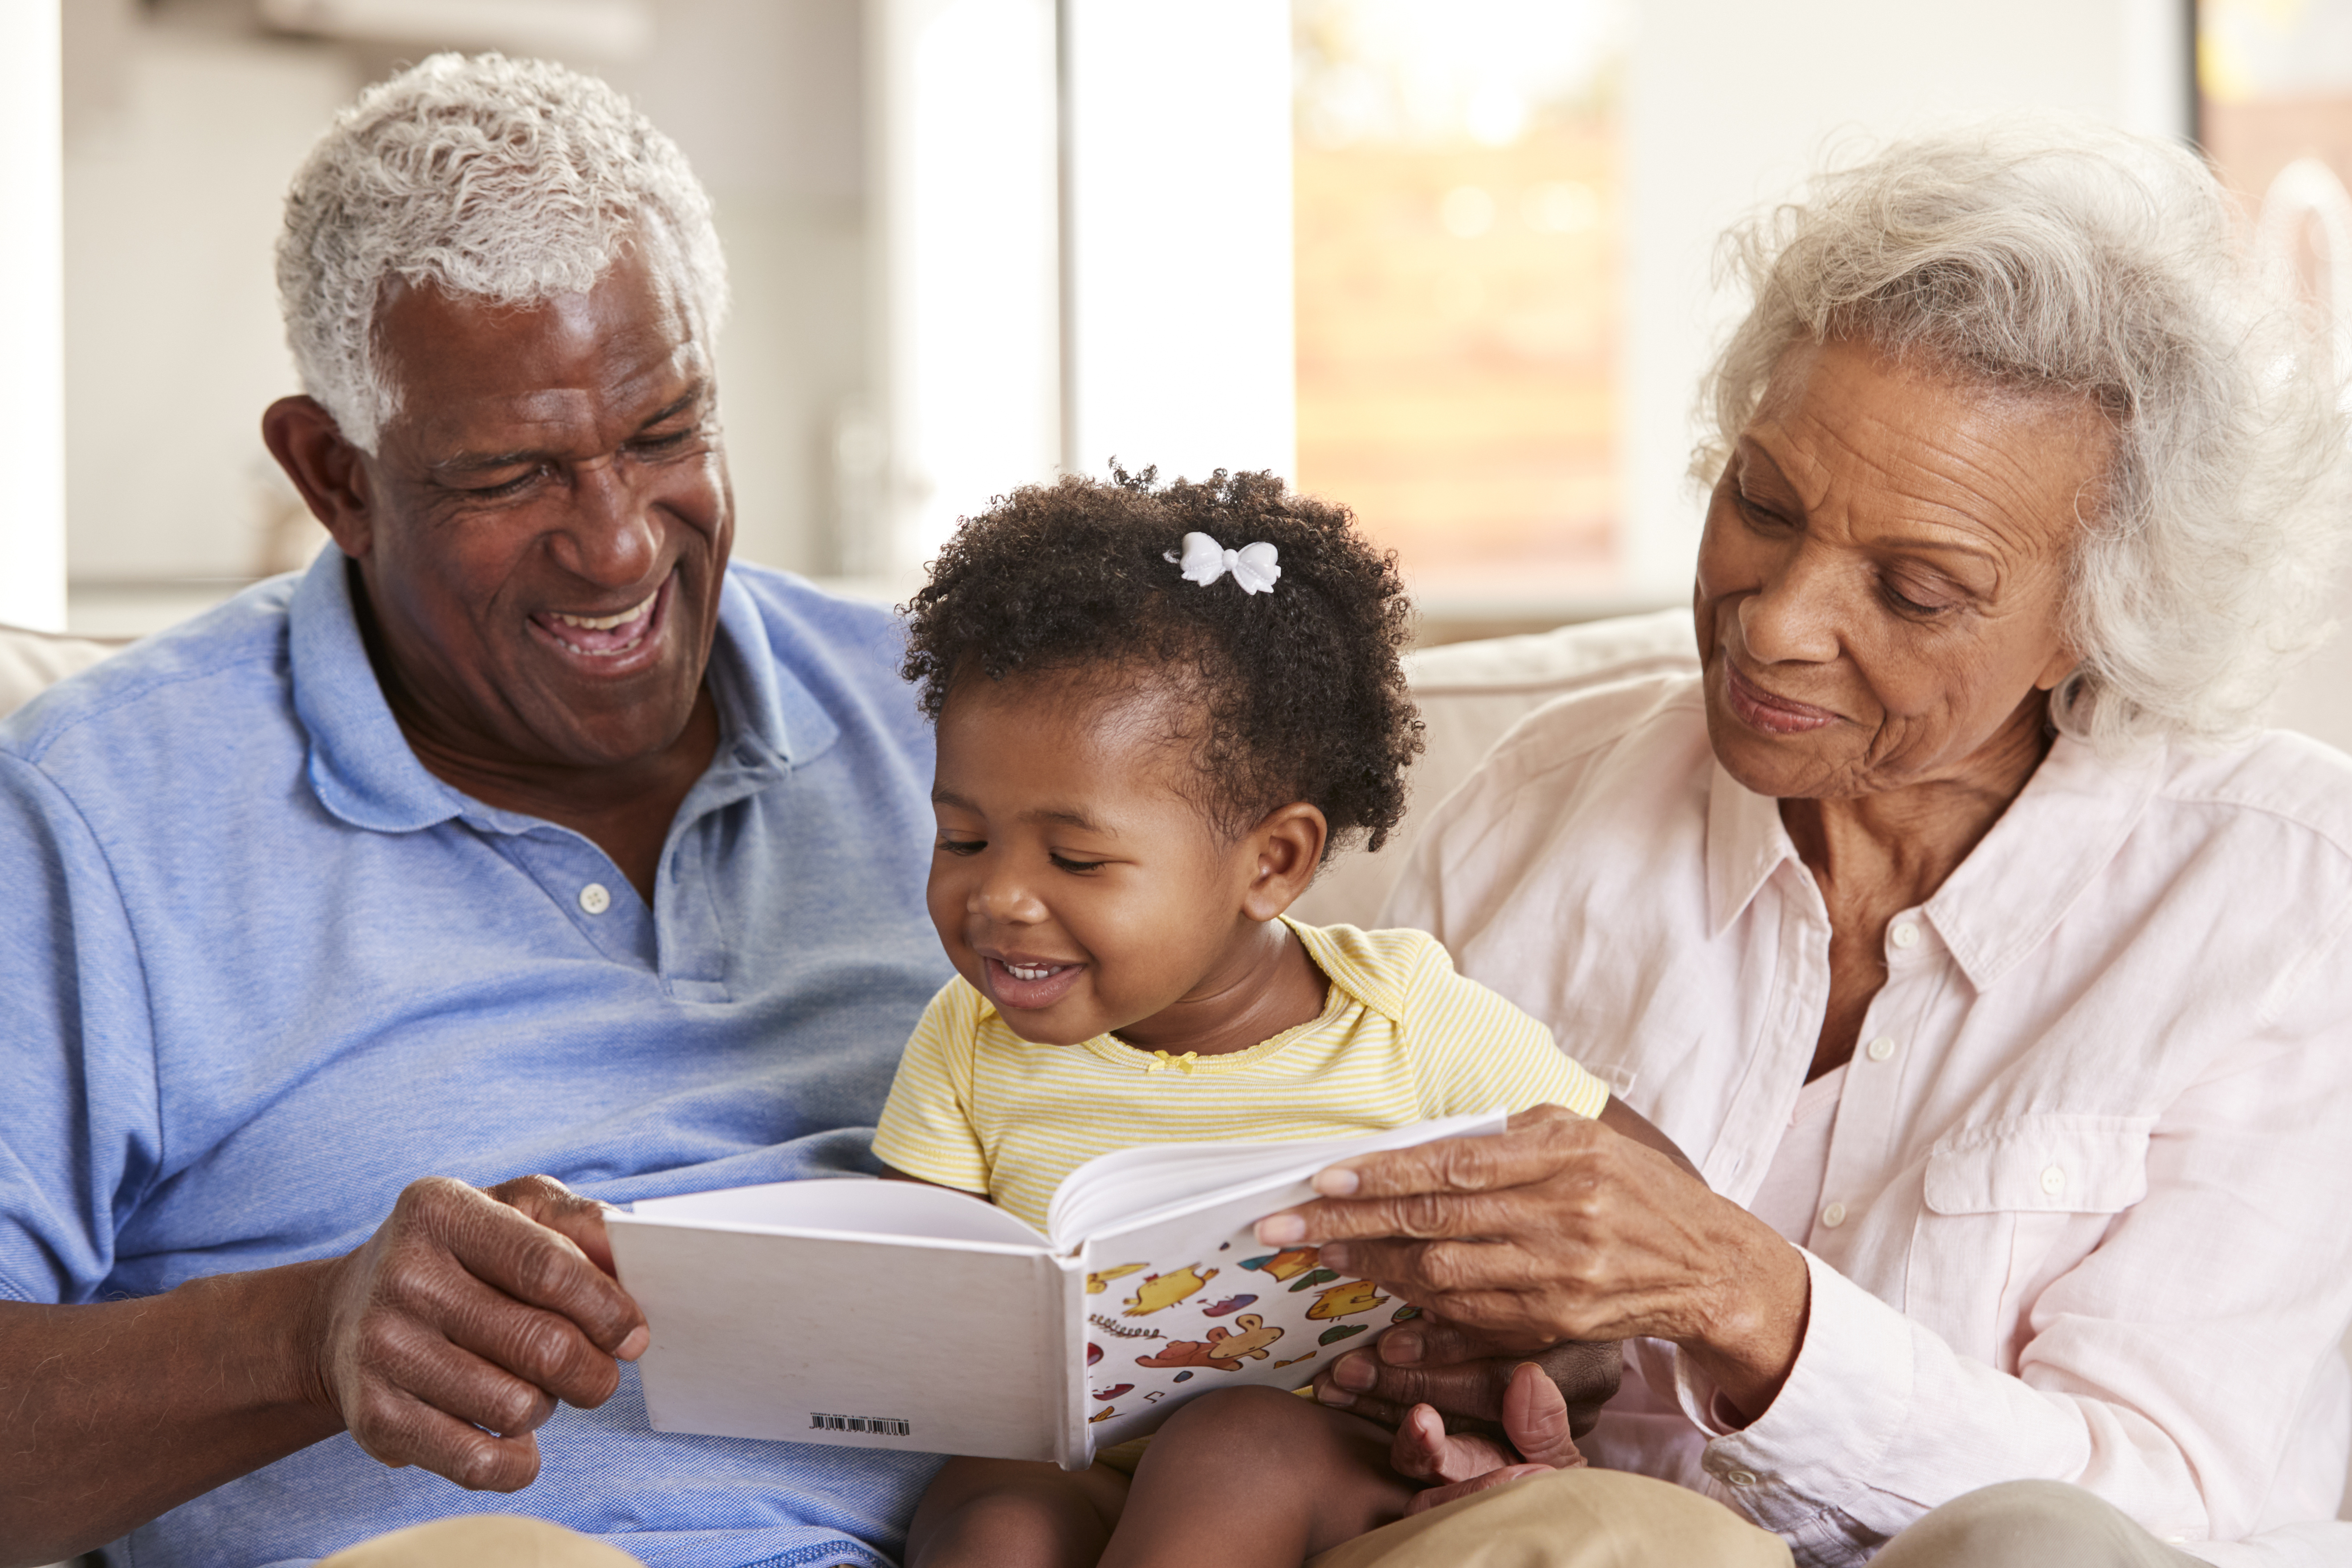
point(1287, 848)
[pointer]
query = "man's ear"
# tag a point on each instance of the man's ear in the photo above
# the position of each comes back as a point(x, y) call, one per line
point(1287, 848)
point(328, 470)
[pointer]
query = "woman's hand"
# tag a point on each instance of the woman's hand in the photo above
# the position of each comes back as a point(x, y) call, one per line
point(1463, 1374)
point(1562, 1229)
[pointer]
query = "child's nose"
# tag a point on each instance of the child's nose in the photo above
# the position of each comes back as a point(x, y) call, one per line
point(1006, 896)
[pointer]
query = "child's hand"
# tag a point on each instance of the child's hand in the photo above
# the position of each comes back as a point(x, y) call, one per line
point(1535, 1419)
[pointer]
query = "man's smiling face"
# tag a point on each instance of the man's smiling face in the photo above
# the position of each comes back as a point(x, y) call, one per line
point(547, 521)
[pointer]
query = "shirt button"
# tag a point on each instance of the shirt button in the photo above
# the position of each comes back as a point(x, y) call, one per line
point(1879, 1049)
point(595, 898)
point(1740, 1477)
point(1834, 1215)
point(1906, 935)
point(2053, 1181)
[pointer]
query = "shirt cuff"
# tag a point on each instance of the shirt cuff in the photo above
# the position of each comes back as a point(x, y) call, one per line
point(1826, 1435)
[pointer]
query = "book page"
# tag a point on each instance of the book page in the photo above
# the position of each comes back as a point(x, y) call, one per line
point(1178, 1303)
point(848, 1205)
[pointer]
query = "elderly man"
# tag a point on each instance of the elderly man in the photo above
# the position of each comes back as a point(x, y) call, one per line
point(519, 835)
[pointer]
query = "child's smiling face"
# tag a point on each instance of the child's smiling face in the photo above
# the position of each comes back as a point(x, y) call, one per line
point(1079, 890)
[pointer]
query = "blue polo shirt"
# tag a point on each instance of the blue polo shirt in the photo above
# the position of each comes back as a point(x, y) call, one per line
point(261, 970)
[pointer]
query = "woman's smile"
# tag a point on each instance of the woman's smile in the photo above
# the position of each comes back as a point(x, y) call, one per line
point(1761, 709)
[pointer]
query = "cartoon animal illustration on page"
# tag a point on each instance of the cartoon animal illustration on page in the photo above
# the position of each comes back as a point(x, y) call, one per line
point(1223, 1349)
point(1344, 1301)
point(1283, 1265)
point(1096, 1283)
point(1161, 1292)
point(1226, 1308)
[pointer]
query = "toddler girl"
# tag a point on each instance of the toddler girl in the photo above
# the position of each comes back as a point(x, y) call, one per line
point(1158, 712)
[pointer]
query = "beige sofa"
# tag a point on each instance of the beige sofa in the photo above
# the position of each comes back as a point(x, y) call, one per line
point(1470, 693)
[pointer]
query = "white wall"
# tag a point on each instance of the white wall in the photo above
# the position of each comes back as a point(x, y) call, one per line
point(963, 134)
point(1181, 286)
point(183, 124)
point(1178, 306)
point(32, 349)
point(1729, 104)
point(173, 193)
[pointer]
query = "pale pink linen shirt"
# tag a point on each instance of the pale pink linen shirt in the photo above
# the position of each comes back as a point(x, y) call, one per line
point(2084, 1214)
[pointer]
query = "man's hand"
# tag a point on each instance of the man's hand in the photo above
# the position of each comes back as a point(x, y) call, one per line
point(448, 1339)
point(1536, 1439)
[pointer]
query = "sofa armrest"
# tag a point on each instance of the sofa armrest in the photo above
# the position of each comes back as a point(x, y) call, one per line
point(31, 661)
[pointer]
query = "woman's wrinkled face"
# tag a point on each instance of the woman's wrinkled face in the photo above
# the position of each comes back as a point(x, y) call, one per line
point(1883, 576)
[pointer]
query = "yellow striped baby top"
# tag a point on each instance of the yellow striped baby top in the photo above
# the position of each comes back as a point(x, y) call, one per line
point(1402, 1038)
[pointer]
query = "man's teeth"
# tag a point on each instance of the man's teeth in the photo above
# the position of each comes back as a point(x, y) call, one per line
point(1032, 971)
point(606, 623)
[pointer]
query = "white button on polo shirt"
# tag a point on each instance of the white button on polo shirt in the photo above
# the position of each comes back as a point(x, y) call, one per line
point(595, 898)
point(2053, 1181)
point(1834, 1215)
point(1906, 935)
point(1740, 1477)
point(1879, 1049)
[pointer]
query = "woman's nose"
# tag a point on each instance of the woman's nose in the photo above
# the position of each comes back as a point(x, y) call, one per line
point(1793, 614)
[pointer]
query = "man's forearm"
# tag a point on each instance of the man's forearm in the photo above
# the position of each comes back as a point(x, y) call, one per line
point(113, 1414)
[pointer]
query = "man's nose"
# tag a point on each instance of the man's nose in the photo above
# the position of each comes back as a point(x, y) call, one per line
point(611, 537)
point(1793, 616)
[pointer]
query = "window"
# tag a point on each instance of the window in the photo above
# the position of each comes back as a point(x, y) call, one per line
point(1456, 209)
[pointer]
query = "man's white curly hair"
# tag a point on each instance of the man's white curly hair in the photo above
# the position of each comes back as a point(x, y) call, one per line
point(2057, 257)
point(510, 181)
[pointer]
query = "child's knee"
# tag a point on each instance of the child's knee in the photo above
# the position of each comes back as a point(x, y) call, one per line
point(1246, 1418)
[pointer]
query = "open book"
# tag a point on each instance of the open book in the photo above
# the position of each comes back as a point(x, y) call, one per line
point(891, 1314)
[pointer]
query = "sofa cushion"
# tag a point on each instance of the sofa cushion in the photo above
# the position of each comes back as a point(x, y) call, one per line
point(1470, 693)
point(30, 661)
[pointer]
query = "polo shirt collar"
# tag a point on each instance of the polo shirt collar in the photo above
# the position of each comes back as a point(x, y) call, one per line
point(363, 771)
point(2037, 860)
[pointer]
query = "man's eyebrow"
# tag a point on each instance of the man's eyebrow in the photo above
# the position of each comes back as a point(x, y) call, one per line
point(687, 399)
point(479, 462)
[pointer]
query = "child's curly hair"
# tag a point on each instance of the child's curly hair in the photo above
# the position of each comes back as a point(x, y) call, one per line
point(1300, 688)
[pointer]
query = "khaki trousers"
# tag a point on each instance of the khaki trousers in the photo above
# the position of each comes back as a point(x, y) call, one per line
point(1574, 1519)
point(1577, 1519)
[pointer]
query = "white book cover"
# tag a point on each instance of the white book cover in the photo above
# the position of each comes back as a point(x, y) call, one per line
point(893, 1314)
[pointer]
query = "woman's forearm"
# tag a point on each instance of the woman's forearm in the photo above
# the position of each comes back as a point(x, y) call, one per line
point(112, 1414)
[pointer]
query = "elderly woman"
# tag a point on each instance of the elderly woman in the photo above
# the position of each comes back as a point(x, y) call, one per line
point(1995, 972)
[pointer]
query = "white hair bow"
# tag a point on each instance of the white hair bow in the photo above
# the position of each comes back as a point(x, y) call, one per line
point(1205, 560)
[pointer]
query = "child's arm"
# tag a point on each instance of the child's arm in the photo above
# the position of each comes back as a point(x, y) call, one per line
point(1623, 1119)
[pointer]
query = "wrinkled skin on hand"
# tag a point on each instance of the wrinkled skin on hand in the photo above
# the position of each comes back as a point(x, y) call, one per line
point(448, 1339)
point(1561, 1229)
point(1461, 1375)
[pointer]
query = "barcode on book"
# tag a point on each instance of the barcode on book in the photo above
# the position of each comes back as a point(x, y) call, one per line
point(880, 1426)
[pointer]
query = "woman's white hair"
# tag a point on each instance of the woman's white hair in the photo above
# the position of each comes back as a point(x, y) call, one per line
point(507, 181)
point(2063, 258)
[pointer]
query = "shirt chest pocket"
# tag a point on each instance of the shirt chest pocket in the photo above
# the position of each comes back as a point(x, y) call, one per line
point(2007, 1208)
